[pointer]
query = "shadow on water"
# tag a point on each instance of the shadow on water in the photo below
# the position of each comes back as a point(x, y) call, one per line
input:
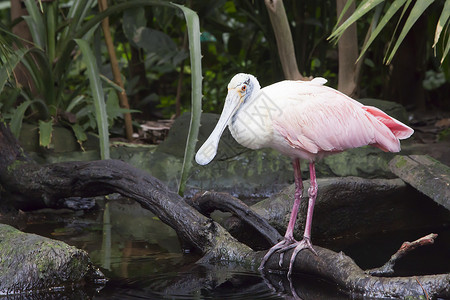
point(143, 258)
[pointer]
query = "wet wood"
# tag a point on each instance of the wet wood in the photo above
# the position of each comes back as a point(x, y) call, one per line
point(425, 174)
point(207, 202)
point(43, 185)
point(342, 270)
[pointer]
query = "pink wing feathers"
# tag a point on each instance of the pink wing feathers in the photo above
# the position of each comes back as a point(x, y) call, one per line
point(329, 121)
point(399, 129)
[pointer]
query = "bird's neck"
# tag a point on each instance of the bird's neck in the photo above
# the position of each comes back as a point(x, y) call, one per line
point(251, 124)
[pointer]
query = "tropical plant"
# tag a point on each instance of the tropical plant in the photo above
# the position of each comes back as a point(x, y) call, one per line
point(61, 93)
point(48, 63)
point(161, 50)
point(412, 15)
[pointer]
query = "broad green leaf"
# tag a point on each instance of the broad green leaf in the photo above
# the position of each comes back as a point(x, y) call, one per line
point(386, 18)
point(19, 113)
point(97, 94)
point(17, 118)
point(115, 9)
point(363, 8)
point(441, 23)
point(153, 41)
point(45, 133)
point(193, 28)
point(133, 21)
point(415, 13)
point(79, 133)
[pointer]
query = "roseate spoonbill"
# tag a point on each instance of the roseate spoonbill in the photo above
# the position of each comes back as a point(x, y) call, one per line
point(303, 120)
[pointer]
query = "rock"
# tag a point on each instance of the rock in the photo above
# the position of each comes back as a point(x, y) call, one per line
point(351, 205)
point(426, 174)
point(30, 263)
point(63, 140)
point(439, 151)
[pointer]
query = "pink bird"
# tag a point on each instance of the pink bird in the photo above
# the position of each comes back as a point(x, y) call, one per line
point(303, 120)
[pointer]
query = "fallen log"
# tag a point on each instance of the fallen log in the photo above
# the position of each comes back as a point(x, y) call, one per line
point(207, 202)
point(426, 174)
point(342, 270)
point(46, 184)
point(379, 204)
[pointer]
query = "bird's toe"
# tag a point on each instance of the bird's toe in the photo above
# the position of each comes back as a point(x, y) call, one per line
point(305, 243)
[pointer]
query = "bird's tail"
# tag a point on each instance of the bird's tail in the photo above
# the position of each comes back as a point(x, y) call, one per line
point(398, 129)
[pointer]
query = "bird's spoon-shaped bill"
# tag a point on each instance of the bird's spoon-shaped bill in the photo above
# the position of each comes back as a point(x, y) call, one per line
point(208, 150)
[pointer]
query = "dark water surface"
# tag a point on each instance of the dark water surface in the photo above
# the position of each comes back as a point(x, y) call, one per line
point(143, 258)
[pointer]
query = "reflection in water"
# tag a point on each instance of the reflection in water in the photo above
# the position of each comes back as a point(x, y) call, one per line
point(143, 259)
point(106, 241)
point(302, 287)
point(218, 282)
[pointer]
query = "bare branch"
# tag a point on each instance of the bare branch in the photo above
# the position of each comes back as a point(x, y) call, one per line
point(388, 267)
point(208, 201)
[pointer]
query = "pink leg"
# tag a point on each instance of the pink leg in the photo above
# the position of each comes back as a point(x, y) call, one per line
point(306, 242)
point(289, 242)
point(297, 199)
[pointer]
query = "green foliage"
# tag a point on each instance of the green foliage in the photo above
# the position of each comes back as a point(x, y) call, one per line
point(10, 59)
point(45, 133)
point(151, 40)
point(99, 99)
point(193, 27)
point(413, 14)
point(19, 113)
point(55, 72)
point(163, 54)
point(443, 21)
point(49, 65)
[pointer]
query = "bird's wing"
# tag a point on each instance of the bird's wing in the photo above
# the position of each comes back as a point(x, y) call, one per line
point(316, 119)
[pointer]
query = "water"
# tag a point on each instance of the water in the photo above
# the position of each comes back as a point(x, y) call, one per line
point(144, 259)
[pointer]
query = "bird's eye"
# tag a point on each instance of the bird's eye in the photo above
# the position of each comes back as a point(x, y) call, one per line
point(243, 88)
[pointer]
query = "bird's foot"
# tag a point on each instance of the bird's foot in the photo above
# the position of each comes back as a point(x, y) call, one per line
point(305, 243)
point(284, 245)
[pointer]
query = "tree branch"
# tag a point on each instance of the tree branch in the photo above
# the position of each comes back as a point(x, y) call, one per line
point(342, 270)
point(207, 202)
point(103, 5)
point(388, 267)
point(348, 53)
point(283, 35)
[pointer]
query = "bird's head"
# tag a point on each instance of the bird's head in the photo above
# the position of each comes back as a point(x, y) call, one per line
point(240, 89)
